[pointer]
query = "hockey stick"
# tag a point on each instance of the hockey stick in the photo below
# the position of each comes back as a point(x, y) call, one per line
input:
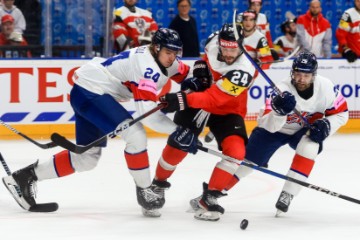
point(278, 175)
point(285, 58)
point(39, 207)
point(258, 68)
point(72, 147)
point(41, 145)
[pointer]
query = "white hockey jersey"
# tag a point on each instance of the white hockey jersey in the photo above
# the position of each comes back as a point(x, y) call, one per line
point(325, 102)
point(262, 24)
point(284, 47)
point(132, 74)
point(257, 46)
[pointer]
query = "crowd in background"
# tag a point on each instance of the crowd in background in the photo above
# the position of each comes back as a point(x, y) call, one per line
point(309, 30)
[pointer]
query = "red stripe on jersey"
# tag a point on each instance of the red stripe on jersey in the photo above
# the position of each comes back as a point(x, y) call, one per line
point(302, 165)
point(182, 72)
point(137, 161)
point(340, 106)
point(140, 94)
point(62, 164)
point(166, 89)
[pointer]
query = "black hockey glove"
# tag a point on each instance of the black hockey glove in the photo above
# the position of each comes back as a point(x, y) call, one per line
point(174, 102)
point(349, 55)
point(183, 139)
point(202, 78)
point(320, 130)
point(283, 104)
point(195, 84)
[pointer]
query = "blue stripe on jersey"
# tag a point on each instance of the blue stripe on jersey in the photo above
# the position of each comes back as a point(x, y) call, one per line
point(122, 55)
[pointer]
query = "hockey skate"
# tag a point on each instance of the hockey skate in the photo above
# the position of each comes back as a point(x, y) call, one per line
point(22, 186)
point(195, 202)
point(283, 203)
point(159, 188)
point(210, 210)
point(149, 201)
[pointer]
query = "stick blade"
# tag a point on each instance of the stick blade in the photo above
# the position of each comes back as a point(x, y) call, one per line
point(63, 142)
point(44, 207)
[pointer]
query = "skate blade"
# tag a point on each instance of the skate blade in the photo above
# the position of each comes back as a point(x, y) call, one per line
point(14, 190)
point(278, 213)
point(205, 215)
point(154, 213)
point(194, 206)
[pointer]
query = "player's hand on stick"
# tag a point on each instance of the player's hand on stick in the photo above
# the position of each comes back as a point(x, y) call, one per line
point(174, 102)
point(320, 130)
point(202, 78)
point(283, 104)
point(183, 139)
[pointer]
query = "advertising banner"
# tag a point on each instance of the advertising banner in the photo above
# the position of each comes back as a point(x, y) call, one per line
point(37, 91)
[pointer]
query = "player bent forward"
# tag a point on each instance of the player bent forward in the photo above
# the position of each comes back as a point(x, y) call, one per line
point(100, 84)
point(325, 109)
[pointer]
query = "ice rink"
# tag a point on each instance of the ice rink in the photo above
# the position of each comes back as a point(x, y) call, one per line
point(101, 204)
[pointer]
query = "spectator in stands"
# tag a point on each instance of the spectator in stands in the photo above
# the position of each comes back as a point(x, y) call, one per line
point(8, 7)
point(285, 44)
point(9, 37)
point(263, 24)
point(131, 22)
point(314, 31)
point(185, 25)
point(348, 33)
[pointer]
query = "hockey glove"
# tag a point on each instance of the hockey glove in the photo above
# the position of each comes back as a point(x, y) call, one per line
point(349, 55)
point(194, 84)
point(183, 139)
point(202, 78)
point(320, 130)
point(283, 104)
point(174, 102)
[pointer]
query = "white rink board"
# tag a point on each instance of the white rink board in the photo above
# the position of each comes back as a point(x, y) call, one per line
point(36, 91)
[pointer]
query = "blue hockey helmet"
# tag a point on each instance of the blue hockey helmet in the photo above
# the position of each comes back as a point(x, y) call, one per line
point(305, 62)
point(168, 38)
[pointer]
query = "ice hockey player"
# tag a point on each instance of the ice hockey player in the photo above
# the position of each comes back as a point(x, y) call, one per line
point(100, 85)
point(324, 108)
point(225, 101)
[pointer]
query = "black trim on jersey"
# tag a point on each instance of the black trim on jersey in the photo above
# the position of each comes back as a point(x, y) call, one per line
point(280, 43)
point(261, 43)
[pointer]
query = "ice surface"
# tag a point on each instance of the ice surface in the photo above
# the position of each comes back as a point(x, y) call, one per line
point(101, 204)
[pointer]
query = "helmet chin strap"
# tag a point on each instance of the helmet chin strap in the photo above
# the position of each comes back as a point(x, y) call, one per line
point(156, 57)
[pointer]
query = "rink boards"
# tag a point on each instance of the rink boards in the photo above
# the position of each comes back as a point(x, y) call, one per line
point(35, 94)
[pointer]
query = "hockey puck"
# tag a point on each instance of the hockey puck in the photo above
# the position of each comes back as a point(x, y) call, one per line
point(244, 223)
